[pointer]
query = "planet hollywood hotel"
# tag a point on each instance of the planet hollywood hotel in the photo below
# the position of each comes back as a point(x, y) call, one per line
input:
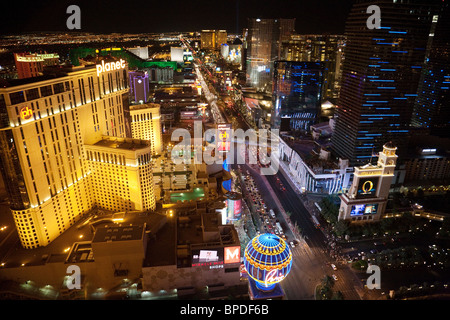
point(49, 130)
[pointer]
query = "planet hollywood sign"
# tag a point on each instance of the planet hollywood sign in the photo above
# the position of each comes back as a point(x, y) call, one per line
point(109, 66)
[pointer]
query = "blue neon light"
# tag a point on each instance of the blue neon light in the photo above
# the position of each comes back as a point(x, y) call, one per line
point(401, 32)
point(380, 115)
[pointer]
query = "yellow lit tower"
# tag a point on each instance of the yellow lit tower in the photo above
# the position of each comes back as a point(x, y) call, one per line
point(47, 125)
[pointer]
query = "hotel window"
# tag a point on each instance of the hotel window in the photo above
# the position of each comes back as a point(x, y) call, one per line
point(58, 88)
point(32, 94)
point(17, 97)
point(46, 91)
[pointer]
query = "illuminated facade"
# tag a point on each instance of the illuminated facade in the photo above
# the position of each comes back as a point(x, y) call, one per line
point(431, 111)
point(380, 77)
point(315, 173)
point(121, 174)
point(267, 260)
point(367, 197)
point(32, 65)
point(139, 86)
point(297, 94)
point(264, 48)
point(45, 126)
point(221, 38)
point(208, 39)
point(328, 49)
point(234, 206)
point(146, 125)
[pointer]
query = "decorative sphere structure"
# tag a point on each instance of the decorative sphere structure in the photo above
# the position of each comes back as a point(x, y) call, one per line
point(267, 260)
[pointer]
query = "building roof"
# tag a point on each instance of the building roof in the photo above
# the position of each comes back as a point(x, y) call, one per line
point(122, 143)
point(119, 233)
point(237, 41)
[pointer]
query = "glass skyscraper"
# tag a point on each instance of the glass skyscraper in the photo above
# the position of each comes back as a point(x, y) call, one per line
point(264, 48)
point(380, 77)
point(432, 107)
point(296, 95)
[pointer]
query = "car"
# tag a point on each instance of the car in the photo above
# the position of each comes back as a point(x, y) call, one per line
point(292, 244)
point(333, 266)
point(334, 277)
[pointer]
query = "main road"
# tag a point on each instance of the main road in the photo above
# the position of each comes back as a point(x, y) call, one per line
point(311, 261)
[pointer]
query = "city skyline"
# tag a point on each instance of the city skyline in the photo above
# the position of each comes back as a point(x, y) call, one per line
point(324, 16)
point(225, 150)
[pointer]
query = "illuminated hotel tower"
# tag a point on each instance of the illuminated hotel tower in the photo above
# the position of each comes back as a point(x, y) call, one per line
point(367, 197)
point(264, 41)
point(208, 39)
point(380, 77)
point(122, 176)
point(431, 110)
point(45, 124)
point(32, 65)
point(146, 125)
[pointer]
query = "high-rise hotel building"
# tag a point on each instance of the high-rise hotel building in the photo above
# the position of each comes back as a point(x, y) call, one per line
point(380, 77)
point(431, 110)
point(47, 125)
point(122, 176)
point(297, 94)
point(264, 40)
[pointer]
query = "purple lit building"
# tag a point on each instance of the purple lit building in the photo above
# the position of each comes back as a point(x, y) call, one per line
point(139, 86)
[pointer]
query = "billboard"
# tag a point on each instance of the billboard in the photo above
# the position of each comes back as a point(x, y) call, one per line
point(223, 137)
point(364, 209)
point(367, 187)
point(207, 257)
point(234, 209)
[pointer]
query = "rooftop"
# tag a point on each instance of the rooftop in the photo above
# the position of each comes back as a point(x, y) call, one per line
point(119, 233)
point(122, 143)
point(50, 72)
point(144, 106)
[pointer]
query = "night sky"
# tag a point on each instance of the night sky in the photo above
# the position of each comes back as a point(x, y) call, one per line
point(313, 16)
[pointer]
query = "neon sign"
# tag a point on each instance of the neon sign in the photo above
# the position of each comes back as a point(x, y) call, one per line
point(110, 66)
point(232, 254)
point(26, 113)
point(273, 277)
point(367, 187)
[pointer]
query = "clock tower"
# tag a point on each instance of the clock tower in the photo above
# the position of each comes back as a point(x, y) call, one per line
point(367, 197)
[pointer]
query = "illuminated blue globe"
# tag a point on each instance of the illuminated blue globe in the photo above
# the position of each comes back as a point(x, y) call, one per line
point(268, 260)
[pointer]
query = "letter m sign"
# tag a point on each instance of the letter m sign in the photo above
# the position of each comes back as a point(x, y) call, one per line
point(232, 254)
